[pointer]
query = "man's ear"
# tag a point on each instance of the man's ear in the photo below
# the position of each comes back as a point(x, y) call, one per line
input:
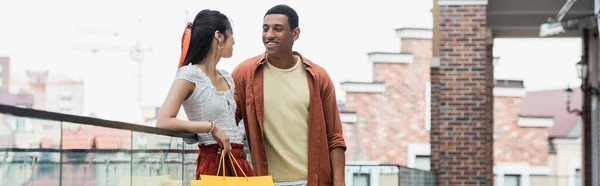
point(296, 33)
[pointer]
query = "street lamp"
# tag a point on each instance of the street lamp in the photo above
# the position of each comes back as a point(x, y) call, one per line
point(568, 96)
point(582, 72)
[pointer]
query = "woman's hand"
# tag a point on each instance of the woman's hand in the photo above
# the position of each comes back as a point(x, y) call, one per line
point(221, 139)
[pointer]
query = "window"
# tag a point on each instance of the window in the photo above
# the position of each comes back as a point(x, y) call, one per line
point(360, 179)
point(577, 177)
point(512, 180)
point(21, 125)
point(423, 162)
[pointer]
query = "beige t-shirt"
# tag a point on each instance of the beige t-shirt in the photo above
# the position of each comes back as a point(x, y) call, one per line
point(286, 101)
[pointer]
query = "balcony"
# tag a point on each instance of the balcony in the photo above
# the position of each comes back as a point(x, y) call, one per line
point(53, 149)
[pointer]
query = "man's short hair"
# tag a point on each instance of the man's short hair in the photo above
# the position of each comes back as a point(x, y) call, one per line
point(288, 11)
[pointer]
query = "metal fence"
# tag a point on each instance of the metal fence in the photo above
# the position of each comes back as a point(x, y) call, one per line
point(387, 175)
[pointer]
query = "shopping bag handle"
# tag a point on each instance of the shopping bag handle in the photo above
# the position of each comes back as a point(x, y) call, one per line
point(231, 159)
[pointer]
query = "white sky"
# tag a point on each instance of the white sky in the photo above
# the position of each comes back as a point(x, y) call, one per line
point(41, 35)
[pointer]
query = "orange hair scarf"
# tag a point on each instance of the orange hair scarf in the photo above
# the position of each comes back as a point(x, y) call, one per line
point(185, 42)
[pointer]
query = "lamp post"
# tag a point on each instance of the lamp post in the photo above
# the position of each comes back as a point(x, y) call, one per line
point(581, 67)
point(568, 96)
point(582, 72)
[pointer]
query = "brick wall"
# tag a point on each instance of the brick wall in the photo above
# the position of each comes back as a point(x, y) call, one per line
point(513, 143)
point(464, 148)
point(352, 139)
point(489, 131)
point(366, 131)
point(435, 90)
point(435, 115)
point(388, 122)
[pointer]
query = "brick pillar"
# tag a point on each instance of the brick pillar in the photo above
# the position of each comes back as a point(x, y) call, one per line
point(434, 134)
point(464, 147)
point(488, 136)
point(435, 91)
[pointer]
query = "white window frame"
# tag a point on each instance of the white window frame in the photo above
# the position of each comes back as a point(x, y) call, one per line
point(517, 175)
point(574, 164)
point(428, 106)
point(518, 168)
point(417, 149)
point(360, 173)
point(423, 156)
point(373, 171)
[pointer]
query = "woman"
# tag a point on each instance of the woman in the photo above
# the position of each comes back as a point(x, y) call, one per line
point(206, 93)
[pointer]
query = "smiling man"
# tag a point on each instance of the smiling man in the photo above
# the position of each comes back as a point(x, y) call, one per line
point(289, 109)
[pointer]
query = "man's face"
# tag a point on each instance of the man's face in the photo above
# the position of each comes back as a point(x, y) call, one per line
point(277, 36)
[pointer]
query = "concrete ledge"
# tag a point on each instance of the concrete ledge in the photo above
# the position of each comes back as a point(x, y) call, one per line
point(462, 2)
point(390, 57)
point(435, 62)
point(528, 121)
point(509, 92)
point(348, 117)
point(414, 33)
point(417, 149)
point(539, 170)
point(364, 87)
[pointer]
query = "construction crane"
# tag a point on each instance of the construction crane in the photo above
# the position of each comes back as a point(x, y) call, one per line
point(136, 51)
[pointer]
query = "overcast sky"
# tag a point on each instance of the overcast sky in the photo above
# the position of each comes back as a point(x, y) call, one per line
point(58, 36)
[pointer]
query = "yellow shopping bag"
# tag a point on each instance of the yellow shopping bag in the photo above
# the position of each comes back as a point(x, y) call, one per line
point(209, 180)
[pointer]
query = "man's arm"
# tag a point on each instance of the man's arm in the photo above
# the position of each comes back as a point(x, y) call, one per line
point(338, 164)
point(335, 136)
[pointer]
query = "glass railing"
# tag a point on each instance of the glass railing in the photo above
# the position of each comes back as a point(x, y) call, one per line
point(388, 175)
point(40, 148)
point(52, 149)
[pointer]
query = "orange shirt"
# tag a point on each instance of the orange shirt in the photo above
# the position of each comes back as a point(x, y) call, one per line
point(324, 124)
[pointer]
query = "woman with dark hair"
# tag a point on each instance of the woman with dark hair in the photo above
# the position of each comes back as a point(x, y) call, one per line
point(206, 94)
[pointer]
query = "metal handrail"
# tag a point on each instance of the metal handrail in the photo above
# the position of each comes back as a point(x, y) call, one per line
point(46, 115)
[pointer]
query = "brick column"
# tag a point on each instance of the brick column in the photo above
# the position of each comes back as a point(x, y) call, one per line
point(435, 115)
point(488, 136)
point(435, 92)
point(464, 141)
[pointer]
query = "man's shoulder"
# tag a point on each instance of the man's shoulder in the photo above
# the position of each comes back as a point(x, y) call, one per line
point(247, 66)
point(317, 70)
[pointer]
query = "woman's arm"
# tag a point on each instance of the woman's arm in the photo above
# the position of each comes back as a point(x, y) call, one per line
point(167, 117)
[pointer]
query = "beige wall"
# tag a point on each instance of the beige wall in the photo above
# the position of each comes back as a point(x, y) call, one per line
point(543, 180)
point(568, 155)
point(388, 180)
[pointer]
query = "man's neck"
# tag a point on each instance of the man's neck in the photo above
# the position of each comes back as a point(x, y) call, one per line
point(283, 62)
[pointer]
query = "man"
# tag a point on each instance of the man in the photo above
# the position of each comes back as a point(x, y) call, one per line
point(289, 109)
